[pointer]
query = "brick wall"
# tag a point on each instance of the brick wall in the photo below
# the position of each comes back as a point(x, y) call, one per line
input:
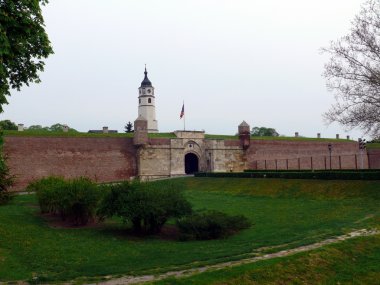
point(374, 158)
point(265, 154)
point(101, 159)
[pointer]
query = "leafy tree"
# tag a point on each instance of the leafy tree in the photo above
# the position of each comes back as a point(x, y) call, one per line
point(353, 72)
point(6, 179)
point(264, 132)
point(146, 207)
point(37, 128)
point(23, 44)
point(58, 127)
point(8, 125)
point(129, 127)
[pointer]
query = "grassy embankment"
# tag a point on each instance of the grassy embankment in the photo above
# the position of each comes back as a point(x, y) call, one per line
point(39, 133)
point(284, 213)
point(351, 262)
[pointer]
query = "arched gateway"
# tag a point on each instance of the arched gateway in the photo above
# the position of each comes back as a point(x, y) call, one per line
point(191, 163)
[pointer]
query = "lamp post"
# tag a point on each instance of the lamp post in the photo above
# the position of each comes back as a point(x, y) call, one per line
point(330, 150)
point(362, 147)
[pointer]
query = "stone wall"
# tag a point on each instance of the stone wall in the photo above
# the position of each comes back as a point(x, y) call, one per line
point(101, 159)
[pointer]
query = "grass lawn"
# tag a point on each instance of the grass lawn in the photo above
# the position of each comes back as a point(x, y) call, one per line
point(283, 212)
point(351, 262)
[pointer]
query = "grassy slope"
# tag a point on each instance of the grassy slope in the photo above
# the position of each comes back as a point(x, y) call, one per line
point(295, 212)
point(38, 133)
point(351, 262)
point(63, 134)
point(373, 145)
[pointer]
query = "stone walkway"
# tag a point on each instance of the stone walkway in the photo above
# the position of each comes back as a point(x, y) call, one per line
point(184, 273)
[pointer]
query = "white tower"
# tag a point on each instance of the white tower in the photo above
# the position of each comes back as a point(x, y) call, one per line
point(147, 107)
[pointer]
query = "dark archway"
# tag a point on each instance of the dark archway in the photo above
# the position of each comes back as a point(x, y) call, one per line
point(191, 163)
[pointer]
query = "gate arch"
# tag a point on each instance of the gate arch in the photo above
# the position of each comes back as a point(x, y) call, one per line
point(191, 163)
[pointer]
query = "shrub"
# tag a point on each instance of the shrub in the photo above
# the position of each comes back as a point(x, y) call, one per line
point(146, 206)
point(73, 200)
point(6, 179)
point(47, 191)
point(210, 225)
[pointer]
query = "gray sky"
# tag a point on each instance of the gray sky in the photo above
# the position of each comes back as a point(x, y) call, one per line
point(229, 61)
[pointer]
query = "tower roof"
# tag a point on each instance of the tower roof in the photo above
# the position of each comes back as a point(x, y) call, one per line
point(146, 82)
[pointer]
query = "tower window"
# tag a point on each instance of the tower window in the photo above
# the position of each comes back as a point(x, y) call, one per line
point(140, 101)
point(149, 100)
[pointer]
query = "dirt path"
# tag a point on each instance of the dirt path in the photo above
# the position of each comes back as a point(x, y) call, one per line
point(193, 271)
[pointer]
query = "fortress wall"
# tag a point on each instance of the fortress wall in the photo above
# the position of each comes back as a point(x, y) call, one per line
point(101, 159)
point(278, 154)
point(374, 158)
point(154, 161)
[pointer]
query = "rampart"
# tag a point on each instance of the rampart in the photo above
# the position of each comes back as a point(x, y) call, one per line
point(282, 155)
point(106, 159)
point(100, 159)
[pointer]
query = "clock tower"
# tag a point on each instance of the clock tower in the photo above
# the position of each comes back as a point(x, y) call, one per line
point(147, 107)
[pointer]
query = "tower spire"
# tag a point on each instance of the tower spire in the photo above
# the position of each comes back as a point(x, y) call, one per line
point(147, 99)
point(146, 82)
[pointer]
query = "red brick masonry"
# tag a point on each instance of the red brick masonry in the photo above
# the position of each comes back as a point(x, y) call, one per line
point(101, 159)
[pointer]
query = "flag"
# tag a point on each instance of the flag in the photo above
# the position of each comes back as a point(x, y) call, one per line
point(182, 111)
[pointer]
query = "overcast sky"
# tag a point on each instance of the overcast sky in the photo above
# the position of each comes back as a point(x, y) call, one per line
point(235, 60)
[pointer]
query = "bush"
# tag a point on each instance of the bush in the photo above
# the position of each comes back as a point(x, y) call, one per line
point(146, 206)
point(73, 200)
point(47, 191)
point(210, 225)
point(6, 179)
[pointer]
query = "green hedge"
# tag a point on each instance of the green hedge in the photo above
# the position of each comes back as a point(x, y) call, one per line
point(210, 225)
point(327, 175)
point(315, 170)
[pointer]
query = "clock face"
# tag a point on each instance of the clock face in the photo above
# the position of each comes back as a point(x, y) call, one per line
point(149, 91)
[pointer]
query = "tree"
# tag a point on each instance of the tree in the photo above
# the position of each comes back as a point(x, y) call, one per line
point(23, 45)
point(129, 127)
point(37, 128)
point(58, 127)
point(8, 125)
point(147, 207)
point(264, 132)
point(353, 73)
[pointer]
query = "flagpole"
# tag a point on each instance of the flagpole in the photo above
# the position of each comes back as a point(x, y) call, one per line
point(184, 117)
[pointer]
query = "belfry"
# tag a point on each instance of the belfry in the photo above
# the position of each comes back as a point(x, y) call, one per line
point(147, 107)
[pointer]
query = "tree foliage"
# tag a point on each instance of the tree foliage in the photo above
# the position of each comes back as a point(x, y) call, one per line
point(58, 127)
point(143, 205)
point(353, 73)
point(129, 127)
point(264, 132)
point(8, 125)
point(73, 200)
point(23, 44)
point(6, 179)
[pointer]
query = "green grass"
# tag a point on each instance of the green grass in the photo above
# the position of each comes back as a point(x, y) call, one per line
point(162, 135)
point(170, 135)
point(283, 212)
point(351, 262)
point(38, 133)
point(221, 137)
point(373, 145)
point(301, 139)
